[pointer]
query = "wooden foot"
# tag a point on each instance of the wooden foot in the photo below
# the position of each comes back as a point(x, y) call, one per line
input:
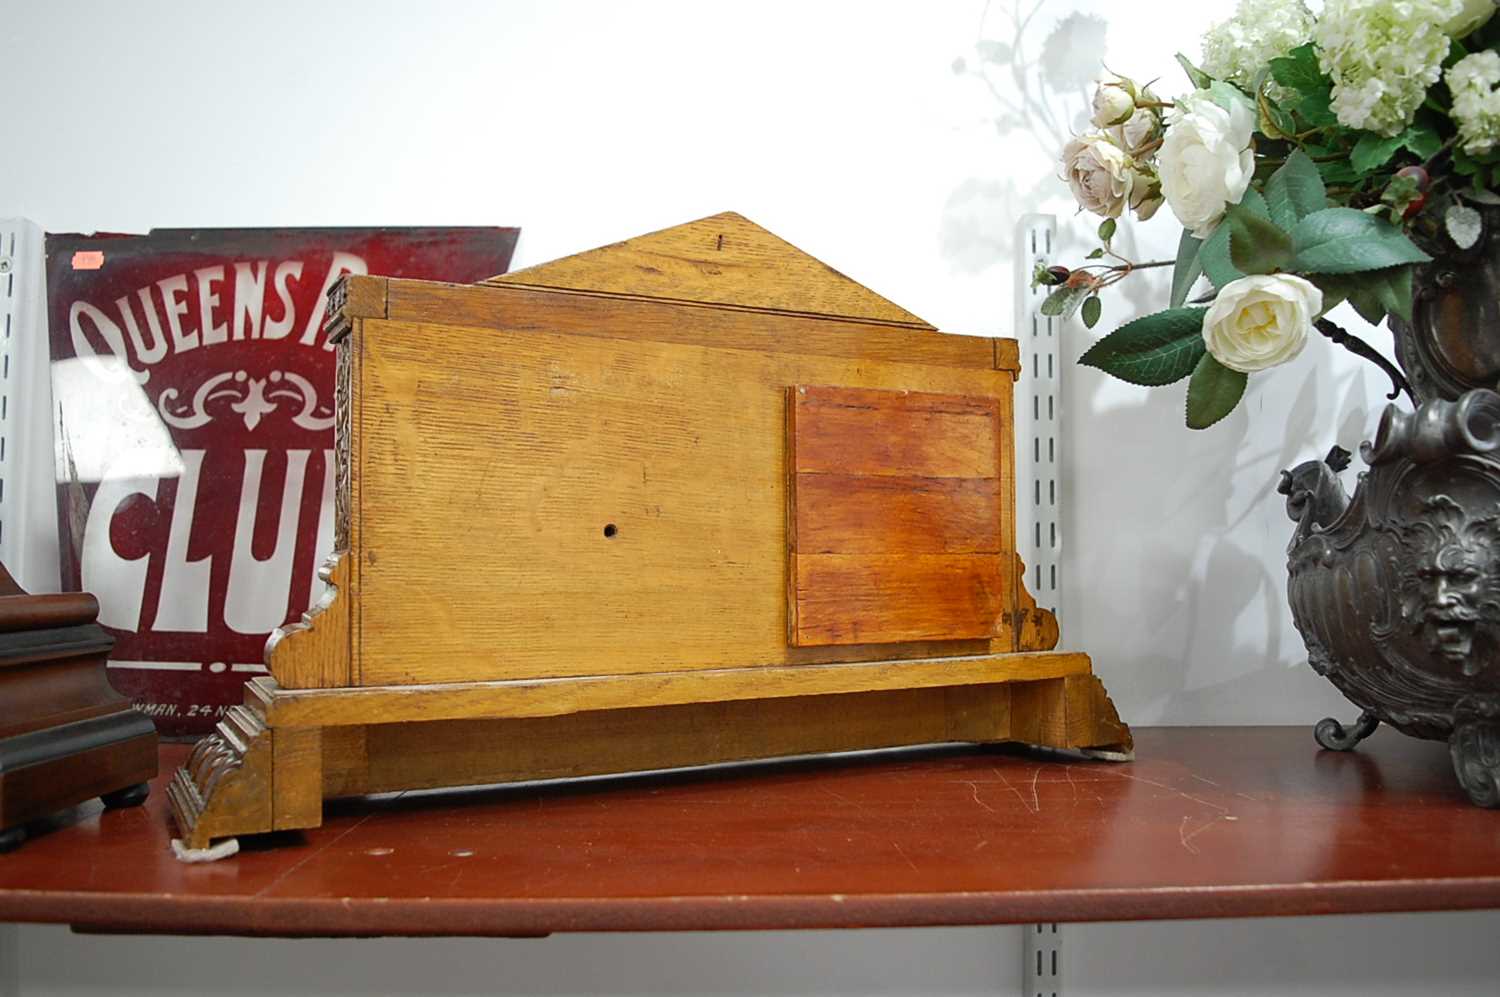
point(225, 788)
point(12, 838)
point(130, 796)
point(246, 778)
point(1073, 712)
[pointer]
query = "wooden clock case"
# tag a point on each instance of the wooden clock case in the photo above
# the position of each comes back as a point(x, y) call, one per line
point(66, 735)
point(690, 498)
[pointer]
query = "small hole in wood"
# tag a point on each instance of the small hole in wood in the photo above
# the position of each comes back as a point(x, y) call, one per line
point(610, 529)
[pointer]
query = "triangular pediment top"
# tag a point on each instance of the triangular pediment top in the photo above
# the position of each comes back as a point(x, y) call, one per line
point(724, 259)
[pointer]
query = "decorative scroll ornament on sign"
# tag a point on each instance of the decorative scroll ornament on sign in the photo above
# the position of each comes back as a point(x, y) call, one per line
point(251, 398)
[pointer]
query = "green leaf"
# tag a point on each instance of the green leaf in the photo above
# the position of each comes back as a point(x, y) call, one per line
point(1187, 268)
point(1215, 260)
point(1317, 108)
point(1095, 254)
point(1227, 95)
point(1295, 190)
point(1422, 141)
point(1196, 76)
point(1274, 122)
point(1343, 240)
point(1091, 309)
point(1396, 291)
point(1365, 299)
point(1217, 263)
point(1213, 392)
point(1107, 229)
point(1156, 349)
point(1064, 301)
point(1256, 244)
point(1371, 293)
point(1373, 151)
point(1298, 69)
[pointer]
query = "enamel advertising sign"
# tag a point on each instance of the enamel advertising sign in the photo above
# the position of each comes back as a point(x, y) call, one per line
point(193, 416)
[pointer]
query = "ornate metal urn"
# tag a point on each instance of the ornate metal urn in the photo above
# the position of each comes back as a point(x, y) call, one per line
point(1396, 590)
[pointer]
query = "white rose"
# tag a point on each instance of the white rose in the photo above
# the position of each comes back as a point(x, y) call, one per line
point(1471, 18)
point(1098, 171)
point(1136, 133)
point(1260, 321)
point(1205, 160)
point(1112, 104)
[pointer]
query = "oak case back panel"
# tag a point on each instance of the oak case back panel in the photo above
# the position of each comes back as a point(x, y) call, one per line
point(534, 502)
point(895, 516)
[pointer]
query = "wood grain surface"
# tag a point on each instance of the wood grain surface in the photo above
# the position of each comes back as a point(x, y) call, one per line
point(726, 260)
point(535, 503)
point(899, 510)
point(1208, 822)
point(543, 697)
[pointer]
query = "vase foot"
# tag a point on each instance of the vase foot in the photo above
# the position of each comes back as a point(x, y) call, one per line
point(1334, 736)
point(1475, 747)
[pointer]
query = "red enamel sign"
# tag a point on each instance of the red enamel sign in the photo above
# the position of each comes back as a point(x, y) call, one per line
point(193, 414)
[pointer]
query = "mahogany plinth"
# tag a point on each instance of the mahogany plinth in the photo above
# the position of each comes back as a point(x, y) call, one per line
point(1207, 822)
point(65, 734)
point(688, 499)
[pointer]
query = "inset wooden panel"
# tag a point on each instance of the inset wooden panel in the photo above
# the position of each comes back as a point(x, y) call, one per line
point(883, 598)
point(872, 514)
point(868, 431)
point(896, 523)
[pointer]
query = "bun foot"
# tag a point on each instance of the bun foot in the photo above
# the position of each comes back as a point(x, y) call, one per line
point(130, 796)
point(12, 838)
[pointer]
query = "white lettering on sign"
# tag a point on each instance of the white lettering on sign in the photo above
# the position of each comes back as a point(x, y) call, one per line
point(202, 309)
point(258, 596)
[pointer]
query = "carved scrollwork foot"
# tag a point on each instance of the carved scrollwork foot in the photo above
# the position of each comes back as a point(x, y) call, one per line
point(1475, 747)
point(225, 787)
point(1334, 736)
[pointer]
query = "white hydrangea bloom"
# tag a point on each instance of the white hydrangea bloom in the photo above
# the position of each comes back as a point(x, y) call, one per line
point(1382, 56)
point(1260, 30)
point(1476, 102)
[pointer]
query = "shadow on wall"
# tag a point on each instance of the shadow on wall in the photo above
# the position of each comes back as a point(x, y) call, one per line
point(1180, 539)
point(1039, 83)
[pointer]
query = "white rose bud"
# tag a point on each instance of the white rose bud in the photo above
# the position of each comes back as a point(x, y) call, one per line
point(1145, 192)
point(1099, 173)
point(1138, 132)
point(1260, 321)
point(1113, 104)
point(1205, 161)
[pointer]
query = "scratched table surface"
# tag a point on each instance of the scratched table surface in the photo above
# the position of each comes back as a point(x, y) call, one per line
point(1207, 822)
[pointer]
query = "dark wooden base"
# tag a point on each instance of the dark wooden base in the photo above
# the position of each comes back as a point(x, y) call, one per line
point(65, 734)
point(47, 770)
point(257, 773)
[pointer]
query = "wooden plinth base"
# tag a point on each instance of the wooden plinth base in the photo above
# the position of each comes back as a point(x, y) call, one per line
point(272, 762)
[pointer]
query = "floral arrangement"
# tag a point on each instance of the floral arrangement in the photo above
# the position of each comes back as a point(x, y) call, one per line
point(1317, 159)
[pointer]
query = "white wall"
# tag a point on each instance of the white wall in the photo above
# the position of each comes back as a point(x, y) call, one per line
point(847, 128)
